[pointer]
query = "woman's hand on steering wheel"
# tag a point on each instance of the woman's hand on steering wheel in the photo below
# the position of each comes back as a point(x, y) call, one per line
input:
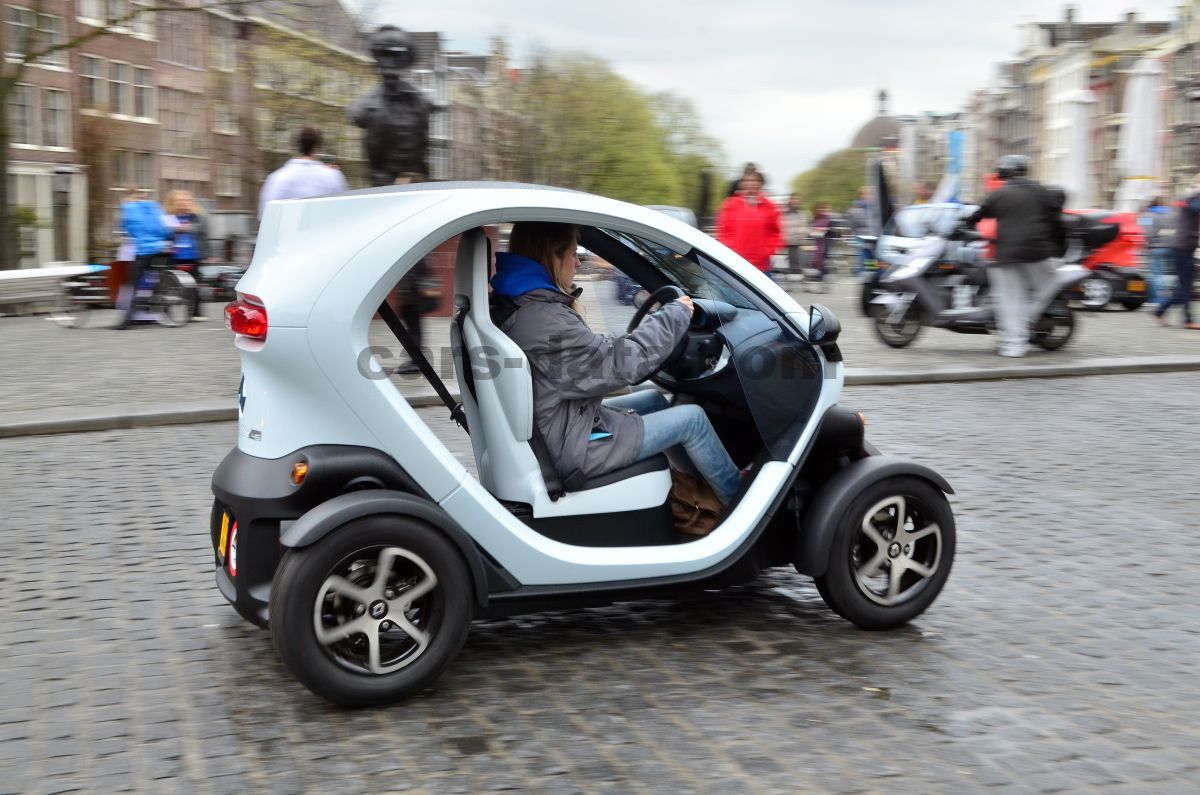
point(687, 301)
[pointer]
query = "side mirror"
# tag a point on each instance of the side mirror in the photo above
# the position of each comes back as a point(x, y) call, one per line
point(823, 331)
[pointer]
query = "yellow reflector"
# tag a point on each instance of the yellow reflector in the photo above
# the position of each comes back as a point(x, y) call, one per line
point(224, 533)
point(299, 471)
point(862, 418)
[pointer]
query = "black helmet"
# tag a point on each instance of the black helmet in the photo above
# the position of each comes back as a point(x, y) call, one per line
point(1011, 166)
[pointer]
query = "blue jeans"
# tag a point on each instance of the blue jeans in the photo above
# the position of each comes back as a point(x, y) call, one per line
point(686, 436)
point(1162, 264)
point(1185, 269)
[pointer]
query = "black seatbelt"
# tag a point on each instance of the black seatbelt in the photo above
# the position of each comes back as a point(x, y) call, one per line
point(414, 353)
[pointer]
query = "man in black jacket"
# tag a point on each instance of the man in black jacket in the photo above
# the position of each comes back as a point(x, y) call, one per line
point(1187, 237)
point(1029, 234)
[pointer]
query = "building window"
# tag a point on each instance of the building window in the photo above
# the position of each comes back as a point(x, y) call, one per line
point(223, 119)
point(182, 117)
point(143, 169)
point(439, 125)
point(142, 24)
point(115, 10)
point(224, 47)
point(92, 10)
point(22, 120)
point(229, 180)
point(143, 93)
point(30, 32)
point(122, 169)
point(92, 69)
point(55, 130)
point(439, 163)
point(179, 38)
point(120, 94)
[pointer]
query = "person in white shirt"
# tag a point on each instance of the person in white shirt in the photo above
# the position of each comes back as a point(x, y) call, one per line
point(304, 176)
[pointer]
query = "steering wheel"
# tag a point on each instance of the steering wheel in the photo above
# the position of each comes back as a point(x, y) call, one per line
point(663, 295)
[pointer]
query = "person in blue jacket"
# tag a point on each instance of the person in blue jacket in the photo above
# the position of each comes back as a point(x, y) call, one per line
point(1187, 237)
point(142, 223)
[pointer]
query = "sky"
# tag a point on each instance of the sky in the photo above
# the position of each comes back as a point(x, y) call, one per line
point(777, 82)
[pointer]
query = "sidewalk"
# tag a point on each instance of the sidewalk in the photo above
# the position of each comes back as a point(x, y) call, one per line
point(149, 375)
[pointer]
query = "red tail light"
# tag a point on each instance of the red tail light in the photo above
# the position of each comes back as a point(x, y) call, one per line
point(247, 316)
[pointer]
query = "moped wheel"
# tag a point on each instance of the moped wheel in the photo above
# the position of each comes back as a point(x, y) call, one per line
point(891, 554)
point(172, 299)
point(373, 612)
point(870, 289)
point(1054, 328)
point(898, 333)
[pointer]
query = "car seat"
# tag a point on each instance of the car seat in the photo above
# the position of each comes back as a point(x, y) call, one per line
point(500, 410)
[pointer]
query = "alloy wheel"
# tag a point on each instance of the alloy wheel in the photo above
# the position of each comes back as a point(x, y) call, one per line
point(896, 551)
point(375, 613)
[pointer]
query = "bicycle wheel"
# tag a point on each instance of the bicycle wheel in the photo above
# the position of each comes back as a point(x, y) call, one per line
point(172, 298)
point(69, 311)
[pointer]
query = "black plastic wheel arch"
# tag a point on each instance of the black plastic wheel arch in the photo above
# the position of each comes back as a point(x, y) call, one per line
point(834, 496)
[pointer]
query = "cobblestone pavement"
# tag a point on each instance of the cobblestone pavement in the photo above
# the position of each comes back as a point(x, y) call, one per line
point(47, 367)
point(1061, 656)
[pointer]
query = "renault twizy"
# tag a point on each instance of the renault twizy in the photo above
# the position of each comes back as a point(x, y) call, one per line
point(343, 523)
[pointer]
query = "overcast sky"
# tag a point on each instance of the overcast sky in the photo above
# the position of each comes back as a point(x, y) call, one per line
point(779, 82)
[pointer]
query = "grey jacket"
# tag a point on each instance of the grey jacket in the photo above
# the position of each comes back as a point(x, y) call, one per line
point(574, 368)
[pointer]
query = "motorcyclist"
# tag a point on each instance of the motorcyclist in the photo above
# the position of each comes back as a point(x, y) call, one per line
point(1029, 234)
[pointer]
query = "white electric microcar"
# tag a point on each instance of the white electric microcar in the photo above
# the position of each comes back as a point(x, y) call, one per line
point(343, 523)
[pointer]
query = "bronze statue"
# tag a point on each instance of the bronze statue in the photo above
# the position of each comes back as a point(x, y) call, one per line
point(394, 114)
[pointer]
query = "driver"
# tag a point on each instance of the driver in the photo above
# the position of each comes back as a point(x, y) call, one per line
point(574, 368)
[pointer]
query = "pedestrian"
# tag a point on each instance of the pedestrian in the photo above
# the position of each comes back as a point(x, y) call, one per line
point(304, 176)
point(862, 226)
point(748, 222)
point(921, 192)
point(1158, 230)
point(418, 293)
point(1187, 237)
point(142, 223)
point(1029, 234)
point(820, 231)
point(795, 225)
point(189, 246)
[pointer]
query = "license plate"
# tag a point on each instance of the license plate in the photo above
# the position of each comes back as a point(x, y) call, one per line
point(224, 534)
point(1137, 286)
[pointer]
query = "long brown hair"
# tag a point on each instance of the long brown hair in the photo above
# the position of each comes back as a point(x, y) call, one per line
point(546, 243)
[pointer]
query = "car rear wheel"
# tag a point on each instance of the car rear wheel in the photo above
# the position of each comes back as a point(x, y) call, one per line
point(1097, 292)
point(373, 612)
point(891, 554)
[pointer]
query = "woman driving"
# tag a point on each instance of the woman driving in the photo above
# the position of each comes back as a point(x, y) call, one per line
point(574, 368)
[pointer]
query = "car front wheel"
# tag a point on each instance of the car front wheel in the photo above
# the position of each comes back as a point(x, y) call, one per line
point(373, 612)
point(891, 554)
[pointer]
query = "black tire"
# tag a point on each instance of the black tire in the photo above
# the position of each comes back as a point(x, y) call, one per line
point(1096, 292)
point(1054, 328)
point(336, 670)
point(1132, 303)
point(173, 299)
point(870, 289)
point(898, 335)
point(855, 598)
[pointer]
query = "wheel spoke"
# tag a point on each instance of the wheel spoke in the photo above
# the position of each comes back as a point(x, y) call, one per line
point(420, 589)
point(872, 532)
point(894, 575)
point(343, 587)
point(412, 630)
point(871, 567)
point(919, 568)
point(328, 635)
point(373, 649)
point(928, 530)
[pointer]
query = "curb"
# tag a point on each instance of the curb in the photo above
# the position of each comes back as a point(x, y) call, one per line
point(57, 421)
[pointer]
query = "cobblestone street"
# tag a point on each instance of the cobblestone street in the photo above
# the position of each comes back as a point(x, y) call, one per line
point(1060, 657)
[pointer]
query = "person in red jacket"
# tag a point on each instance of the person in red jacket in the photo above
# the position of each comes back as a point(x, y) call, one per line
point(748, 223)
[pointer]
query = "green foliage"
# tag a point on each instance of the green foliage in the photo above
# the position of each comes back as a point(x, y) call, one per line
point(584, 126)
point(834, 180)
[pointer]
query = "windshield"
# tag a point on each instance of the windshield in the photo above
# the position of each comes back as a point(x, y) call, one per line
point(684, 271)
point(926, 219)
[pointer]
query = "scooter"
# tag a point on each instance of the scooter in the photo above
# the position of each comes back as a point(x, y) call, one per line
point(912, 301)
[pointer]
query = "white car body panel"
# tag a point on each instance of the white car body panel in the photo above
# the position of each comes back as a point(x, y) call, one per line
point(323, 266)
